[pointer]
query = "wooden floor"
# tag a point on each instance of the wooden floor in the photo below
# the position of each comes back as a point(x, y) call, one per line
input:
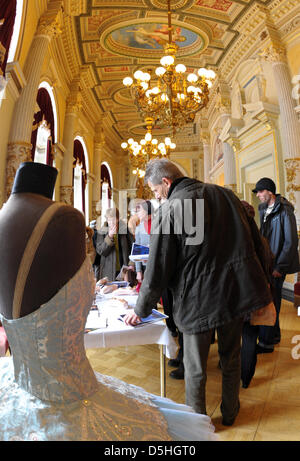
point(270, 407)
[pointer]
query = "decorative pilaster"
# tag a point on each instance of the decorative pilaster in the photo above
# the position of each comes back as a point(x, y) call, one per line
point(21, 126)
point(73, 108)
point(290, 127)
point(292, 168)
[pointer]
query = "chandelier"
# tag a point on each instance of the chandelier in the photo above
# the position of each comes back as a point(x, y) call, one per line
point(170, 97)
point(148, 148)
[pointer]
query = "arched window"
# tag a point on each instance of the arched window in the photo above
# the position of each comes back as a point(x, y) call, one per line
point(106, 190)
point(8, 10)
point(79, 176)
point(43, 133)
point(16, 32)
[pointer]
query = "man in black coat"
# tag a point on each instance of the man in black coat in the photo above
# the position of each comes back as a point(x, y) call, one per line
point(278, 226)
point(201, 247)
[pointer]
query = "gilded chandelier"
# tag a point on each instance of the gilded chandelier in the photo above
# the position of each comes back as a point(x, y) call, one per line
point(148, 148)
point(171, 97)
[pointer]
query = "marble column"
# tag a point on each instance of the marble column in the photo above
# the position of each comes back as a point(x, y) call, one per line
point(205, 138)
point(98, 149)
point(290, 126)
point(72, 109)
point(19, 144)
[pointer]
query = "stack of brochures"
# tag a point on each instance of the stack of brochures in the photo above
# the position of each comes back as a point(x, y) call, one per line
point(156, 316)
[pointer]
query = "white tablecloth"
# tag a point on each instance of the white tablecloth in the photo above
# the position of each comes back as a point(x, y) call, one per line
point(118, 334)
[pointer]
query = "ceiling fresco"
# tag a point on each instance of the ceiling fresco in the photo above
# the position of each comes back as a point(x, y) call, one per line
point(117, 37)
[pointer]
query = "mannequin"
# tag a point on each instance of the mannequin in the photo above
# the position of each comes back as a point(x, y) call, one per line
point(60, 252)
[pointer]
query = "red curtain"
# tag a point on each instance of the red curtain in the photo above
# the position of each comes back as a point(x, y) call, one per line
point(46, 112)
point(78, 154)
point(8, 14)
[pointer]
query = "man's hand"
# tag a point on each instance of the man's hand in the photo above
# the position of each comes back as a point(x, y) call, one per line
point(276, 274)
point(132, 319)
point(112, 231)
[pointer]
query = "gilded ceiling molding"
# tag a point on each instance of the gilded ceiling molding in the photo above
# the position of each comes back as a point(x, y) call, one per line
point(69, 47)
point(75, 7)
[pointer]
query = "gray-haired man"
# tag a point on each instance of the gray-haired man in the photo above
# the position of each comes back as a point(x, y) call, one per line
point(202, 249)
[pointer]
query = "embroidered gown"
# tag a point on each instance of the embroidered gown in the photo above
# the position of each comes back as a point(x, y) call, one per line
point(48, 390)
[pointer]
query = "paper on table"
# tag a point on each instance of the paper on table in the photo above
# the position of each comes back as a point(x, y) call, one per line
point(156, 316)
point(94, 321)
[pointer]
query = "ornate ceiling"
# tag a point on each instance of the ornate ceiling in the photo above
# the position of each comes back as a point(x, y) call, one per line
point(116, 37)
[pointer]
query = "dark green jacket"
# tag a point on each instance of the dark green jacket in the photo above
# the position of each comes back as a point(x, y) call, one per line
point(213, 281)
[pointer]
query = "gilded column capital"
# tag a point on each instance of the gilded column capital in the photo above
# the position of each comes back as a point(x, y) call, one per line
point(292, 168)
point(74, 103)
point(17, 153)
point(50, 23)
point(66, 195)
point(274, 53)
point(205, 137)
point(223, 104)
point(234, 143)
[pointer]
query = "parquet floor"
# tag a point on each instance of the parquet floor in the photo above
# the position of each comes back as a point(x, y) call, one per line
point(270, 407)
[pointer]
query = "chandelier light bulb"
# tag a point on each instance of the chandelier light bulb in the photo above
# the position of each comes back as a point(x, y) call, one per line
point(154, 141)
point(160, 71)
point(180, 68)
point(138, 75)
point(130, 141)
point(155, 90)
point(190, 89)
point(181, 96)
point(202, 72)
point(192, 78)
point(134, 171)
point(127, 81)
point(143, 142)
point(167, 61)
point(148, 136)
point(146, 76)
point(144, 85)
point(167, 141)
point(124, 145)
point(211, 74)
point(173, 145)
point(164, 97)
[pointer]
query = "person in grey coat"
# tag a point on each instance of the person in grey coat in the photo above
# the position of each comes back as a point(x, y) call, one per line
point(278, 226)
point(113, 245)
point(201, 247)
point(144, 211)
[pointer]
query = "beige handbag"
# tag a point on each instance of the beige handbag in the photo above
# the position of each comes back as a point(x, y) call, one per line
point(264, 316)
